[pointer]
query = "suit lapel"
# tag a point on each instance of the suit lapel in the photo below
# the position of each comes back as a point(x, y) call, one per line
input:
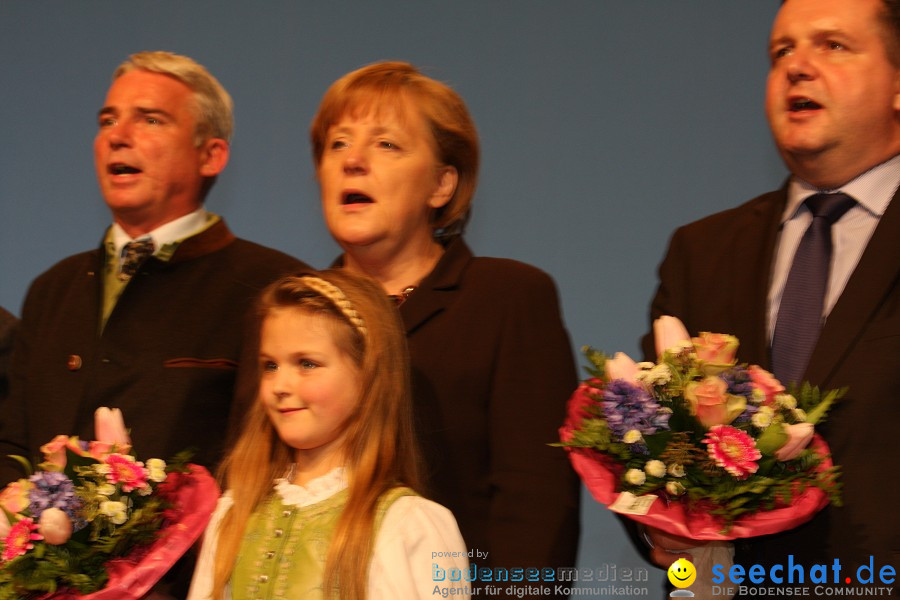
point(438, 290)
point(753, 255)
point(871, 281)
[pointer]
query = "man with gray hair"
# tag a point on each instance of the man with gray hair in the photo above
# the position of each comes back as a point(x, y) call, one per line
point(154, 320)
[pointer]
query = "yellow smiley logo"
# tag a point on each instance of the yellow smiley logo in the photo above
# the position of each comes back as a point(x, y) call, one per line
point(682, 573)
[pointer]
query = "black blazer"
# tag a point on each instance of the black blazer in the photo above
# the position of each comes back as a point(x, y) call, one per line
point(7, 327)
point(492, 371)
point(715, 277)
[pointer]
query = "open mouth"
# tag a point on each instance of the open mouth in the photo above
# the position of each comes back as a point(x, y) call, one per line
point(801, 104)
point(122, 169)
point(356, 198)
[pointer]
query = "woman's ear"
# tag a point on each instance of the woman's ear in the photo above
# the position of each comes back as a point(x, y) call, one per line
point(448, 177)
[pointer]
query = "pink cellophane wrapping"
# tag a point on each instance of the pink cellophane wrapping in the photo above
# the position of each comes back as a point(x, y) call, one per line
point(132, 577)
point(601, 475)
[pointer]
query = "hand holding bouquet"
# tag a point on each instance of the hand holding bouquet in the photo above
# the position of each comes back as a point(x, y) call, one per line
point(698, 445)
point(92, 512)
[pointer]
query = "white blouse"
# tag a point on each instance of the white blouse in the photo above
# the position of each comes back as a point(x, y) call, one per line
point(405, 558)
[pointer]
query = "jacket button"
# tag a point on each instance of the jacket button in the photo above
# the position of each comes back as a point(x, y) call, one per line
point(74, 362)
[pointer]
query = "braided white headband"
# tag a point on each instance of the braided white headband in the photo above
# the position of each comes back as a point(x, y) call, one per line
point(337, 297)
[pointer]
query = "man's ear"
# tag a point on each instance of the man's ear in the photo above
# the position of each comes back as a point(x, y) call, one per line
point(214, 157)
point(448, 177)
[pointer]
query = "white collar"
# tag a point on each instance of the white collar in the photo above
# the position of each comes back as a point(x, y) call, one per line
point(173, 231)
point(873, 189)
point(316, 490)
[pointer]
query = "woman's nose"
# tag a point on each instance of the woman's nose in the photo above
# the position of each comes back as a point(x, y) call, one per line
point(355, 161)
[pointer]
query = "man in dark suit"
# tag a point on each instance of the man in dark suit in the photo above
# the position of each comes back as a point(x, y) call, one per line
point(7, 327)
point(153, 320)
point(833, 104)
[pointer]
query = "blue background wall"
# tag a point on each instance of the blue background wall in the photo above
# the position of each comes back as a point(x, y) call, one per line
point(604, 123)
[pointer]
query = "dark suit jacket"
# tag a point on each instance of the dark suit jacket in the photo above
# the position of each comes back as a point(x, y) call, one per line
point(7, 327)
point(492, 370)
point(715, 277)
point(167, 356)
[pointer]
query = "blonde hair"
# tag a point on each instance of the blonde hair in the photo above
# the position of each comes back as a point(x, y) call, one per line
point(379, 449)
point(214, 107)
point(384, 84)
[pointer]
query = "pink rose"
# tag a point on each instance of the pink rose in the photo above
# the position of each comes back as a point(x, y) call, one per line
point(716, 348)
point(765, 382)
point(669, 332)
point(621, 367)
point(110, 427)
point(55, 451)
point(4, 525)
point(14, 498)
point(710, 402)
point(798, 438)
point(55, 526)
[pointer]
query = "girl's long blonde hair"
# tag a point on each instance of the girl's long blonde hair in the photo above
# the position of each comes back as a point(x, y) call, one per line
point(380, 450)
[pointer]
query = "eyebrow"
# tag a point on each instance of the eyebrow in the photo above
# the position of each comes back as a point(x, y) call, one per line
point(109, 110)
point(817, 34)
point(380, 130)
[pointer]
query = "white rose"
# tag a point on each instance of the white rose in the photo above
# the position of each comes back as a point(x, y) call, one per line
point(676, 470)
point(632, 436)
point(675, 488)
point(156, 469)
point(106, 489)
point(114, 510)
point(635, 477)
point(655, 468)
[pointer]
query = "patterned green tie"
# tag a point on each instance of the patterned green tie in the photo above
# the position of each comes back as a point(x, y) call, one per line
point(133, 254)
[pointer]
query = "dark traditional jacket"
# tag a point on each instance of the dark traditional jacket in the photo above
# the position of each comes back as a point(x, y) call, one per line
point(167, 356)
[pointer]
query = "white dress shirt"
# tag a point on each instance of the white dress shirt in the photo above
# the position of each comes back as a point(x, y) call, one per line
point(173, 231)
point(872, 191)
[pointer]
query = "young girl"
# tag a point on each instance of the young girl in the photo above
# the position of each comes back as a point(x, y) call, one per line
point(332, 427)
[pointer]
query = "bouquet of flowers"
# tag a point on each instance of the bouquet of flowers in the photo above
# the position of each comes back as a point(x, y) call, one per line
point(698, 445)
point(93, 522)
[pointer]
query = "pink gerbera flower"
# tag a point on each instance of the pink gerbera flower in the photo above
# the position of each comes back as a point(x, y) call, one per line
point(125, 470)
point(20, 539)
point(733, 450)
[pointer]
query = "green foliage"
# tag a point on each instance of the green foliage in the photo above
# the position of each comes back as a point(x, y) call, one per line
point(597, 368)
point(595, 434)
point(26, 466)
point(810, 399)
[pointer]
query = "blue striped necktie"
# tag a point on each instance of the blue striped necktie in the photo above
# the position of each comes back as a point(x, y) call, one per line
point(800, 315)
